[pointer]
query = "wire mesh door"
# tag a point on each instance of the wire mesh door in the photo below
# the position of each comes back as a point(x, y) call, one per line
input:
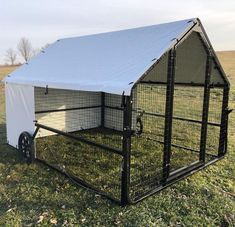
point(186, 127)
point(148, 141)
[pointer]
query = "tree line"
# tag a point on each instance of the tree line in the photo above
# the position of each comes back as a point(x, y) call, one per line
point(24, 50)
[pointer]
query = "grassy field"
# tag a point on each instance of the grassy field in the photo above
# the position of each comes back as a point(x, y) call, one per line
point(35, 195)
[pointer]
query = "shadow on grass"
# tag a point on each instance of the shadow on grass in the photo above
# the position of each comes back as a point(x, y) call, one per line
point(8, 155)
point(33, 189)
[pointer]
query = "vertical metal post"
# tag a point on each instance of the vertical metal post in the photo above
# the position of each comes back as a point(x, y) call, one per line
point(205, 110)
point(169, 113)
point(102, 108)
point(126, 148)
point(224, 123)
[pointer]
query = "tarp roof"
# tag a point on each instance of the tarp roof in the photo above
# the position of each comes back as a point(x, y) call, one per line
point(108, 62)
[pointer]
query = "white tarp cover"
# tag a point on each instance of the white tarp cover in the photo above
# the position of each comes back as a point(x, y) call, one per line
point(109, 62)
point(19, 111)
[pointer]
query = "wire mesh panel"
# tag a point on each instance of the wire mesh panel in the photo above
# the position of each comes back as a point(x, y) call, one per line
point(186, 126)
point(108, 137)
point(100, 161)
point(93, 165)
point(97, 120)
point(67, 110)
point(113, 116)
point(214, 117)
point(147, 147)
point(79, 111)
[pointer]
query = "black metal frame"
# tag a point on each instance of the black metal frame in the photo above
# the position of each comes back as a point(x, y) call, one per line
point(127, 132)
point(168, 177)
point(169, 114)
point(205, 110)
point(224, 122)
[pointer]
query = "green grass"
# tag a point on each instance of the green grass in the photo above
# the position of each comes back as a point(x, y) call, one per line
point(34, 194)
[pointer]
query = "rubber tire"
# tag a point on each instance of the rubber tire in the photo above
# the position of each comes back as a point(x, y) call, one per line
point(26, 147)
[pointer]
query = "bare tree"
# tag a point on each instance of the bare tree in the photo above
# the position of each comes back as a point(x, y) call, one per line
point(25, 49)
point(11, 56)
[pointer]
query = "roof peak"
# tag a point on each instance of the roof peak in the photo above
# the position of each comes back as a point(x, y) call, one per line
point(128, 29)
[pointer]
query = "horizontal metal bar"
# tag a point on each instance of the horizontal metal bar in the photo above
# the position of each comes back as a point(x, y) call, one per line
point(174, 145)
point(182, 147)
point(77, 108)
point(114, 107)
point(81, 139)
point(99, 128)
point(195, 121)
point(173, 181)
point(183, 84)
point(184, 169)
point(81, 182)
point(66, 109)
point(120, 132)
point(179, 118)
point(193, 150)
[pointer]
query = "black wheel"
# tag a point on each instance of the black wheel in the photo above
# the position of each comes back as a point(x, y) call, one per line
point(139, 126)
point(26, 147)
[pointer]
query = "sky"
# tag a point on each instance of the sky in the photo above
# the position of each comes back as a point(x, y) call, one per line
point(46, 21)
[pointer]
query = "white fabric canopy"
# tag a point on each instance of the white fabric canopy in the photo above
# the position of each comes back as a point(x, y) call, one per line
point(20, 111)
point(109, 62)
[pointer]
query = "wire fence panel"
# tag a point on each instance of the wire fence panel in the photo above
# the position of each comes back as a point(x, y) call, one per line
point(214, 116)
point(147, 148)
point(215, 105)
point(186, 125)
point(92, 116)
point(93, 165)
point(67, 110)
point(100, 121)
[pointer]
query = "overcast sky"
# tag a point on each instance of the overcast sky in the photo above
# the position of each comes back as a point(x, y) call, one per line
point(45, 21)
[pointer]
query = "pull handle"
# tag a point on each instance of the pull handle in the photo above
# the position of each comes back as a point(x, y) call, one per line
point(229, 111)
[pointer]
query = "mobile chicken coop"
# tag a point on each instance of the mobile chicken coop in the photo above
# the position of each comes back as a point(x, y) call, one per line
point(123, 113)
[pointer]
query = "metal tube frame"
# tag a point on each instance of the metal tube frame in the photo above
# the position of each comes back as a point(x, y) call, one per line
point(205, 111)
point(180, 118)
point(127, 132)
point(224, 123)
point(183, 84)
point(169, 114)
point(78, 138)
point(125, 153)
point(168, 177)
point(76, 179)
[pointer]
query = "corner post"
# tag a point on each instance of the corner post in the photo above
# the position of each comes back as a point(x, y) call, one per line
point(126, 149)
point(224, 123)
point(205, 111)
point(169, 113)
